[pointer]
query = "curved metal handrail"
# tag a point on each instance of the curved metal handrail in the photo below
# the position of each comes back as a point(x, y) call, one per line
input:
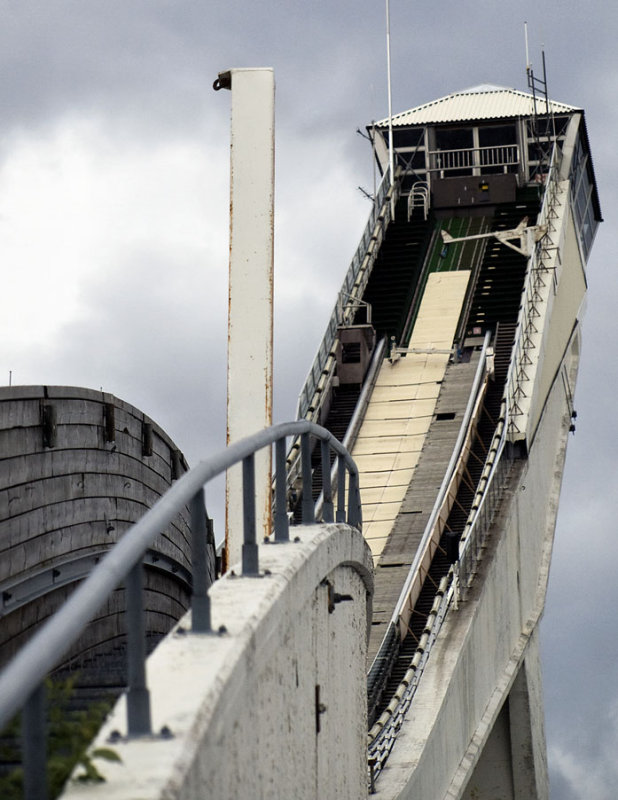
point(384, 732)
point(412, 577)
point(20, 682)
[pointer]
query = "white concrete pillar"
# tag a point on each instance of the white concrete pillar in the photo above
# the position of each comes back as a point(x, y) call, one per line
point(250, 315)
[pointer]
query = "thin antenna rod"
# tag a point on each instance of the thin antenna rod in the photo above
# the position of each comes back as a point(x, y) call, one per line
point(545, 81)
point(391, 156)
point(527, 53)
point(375, 162)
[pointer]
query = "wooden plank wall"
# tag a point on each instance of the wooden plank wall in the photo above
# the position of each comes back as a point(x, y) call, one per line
point(77, 469)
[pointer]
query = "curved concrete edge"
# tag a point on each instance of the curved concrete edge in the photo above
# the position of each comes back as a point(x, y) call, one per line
point(274, 706)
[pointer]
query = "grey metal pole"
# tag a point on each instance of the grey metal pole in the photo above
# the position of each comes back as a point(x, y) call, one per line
point(200, 601)
point(34, 746)
point(250, 565)
point(391, 154)
point(354, 511)
point(340, 488)
point(282, 529)
point(307, 502)
point(327, 489)
point(138, 696)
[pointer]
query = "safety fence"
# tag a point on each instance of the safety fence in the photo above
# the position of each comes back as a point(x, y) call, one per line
point(488, 496)
point(22, 681)
point(350, 293)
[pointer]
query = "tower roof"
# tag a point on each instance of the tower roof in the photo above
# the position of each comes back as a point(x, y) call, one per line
point(479, 102)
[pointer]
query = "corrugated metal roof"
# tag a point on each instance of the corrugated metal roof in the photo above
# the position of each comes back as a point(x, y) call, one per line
point(479, 102)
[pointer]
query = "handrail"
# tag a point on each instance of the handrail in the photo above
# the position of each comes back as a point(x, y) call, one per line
point(20, 682)
point(419, 198)
point(504, 155)
point(384, 732)
point(411, 578)
point(351, 291)
point(481, 513)
point(525, 323)
point(354, 425)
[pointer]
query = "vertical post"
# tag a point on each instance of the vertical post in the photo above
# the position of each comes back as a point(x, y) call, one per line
point(250, 320)
point(391, 153)
point(200, 601)
point(340, 488)
point(282, 529)
point(34, 746)
point(354, 506)
point(138, 696)
point(250, 565)
point(327, 489)
point(305, 460)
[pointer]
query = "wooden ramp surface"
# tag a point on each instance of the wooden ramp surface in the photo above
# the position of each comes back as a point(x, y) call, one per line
point(402, 407)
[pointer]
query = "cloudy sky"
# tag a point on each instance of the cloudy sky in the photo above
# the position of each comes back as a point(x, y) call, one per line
point(114, 232)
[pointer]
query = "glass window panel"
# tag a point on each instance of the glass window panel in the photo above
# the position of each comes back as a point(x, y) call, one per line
point(591, 222)
point(414, 160)
point(408, 137)
point(497, 135)
point(561, 124)
point(454, 138)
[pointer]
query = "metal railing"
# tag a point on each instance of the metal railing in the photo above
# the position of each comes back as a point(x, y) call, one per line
point(503, 156)
point(384, 733)
point(489, 492)
point(351, 292)
point(419, 198)
point(490, 489)
point(21, 682)
point(420, 565)
point(534, 294)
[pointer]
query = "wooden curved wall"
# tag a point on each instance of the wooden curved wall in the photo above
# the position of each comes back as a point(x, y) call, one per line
point(77, 469)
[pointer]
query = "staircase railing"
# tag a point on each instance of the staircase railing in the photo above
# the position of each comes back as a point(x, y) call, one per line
point(419, 198)
point(378, 673)
point(384, 732)
point(351, 292)
point(534, 294)
point(21, 682)
point(489, 493)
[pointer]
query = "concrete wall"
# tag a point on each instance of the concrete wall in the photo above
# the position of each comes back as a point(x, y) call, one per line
point(513, 762)
point(275, 707)
point(567, 289)
point(483, 644)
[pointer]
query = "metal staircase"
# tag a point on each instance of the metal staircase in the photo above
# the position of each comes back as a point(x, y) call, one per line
point(396, 271)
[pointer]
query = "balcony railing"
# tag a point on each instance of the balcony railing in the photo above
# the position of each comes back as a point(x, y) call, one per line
point(499, 157)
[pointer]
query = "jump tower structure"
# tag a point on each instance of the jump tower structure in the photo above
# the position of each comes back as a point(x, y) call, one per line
point(449, 369)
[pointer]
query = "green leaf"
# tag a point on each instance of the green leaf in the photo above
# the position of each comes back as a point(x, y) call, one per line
point(107, 753)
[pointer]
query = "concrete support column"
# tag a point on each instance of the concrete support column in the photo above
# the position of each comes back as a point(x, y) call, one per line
point(250, 320)
point(527, 725)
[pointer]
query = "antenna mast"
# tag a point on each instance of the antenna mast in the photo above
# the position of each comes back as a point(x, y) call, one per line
point(543, 124)
point(391, 156)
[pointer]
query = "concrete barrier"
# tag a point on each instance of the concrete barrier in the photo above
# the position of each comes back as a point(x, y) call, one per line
point(274, 706)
